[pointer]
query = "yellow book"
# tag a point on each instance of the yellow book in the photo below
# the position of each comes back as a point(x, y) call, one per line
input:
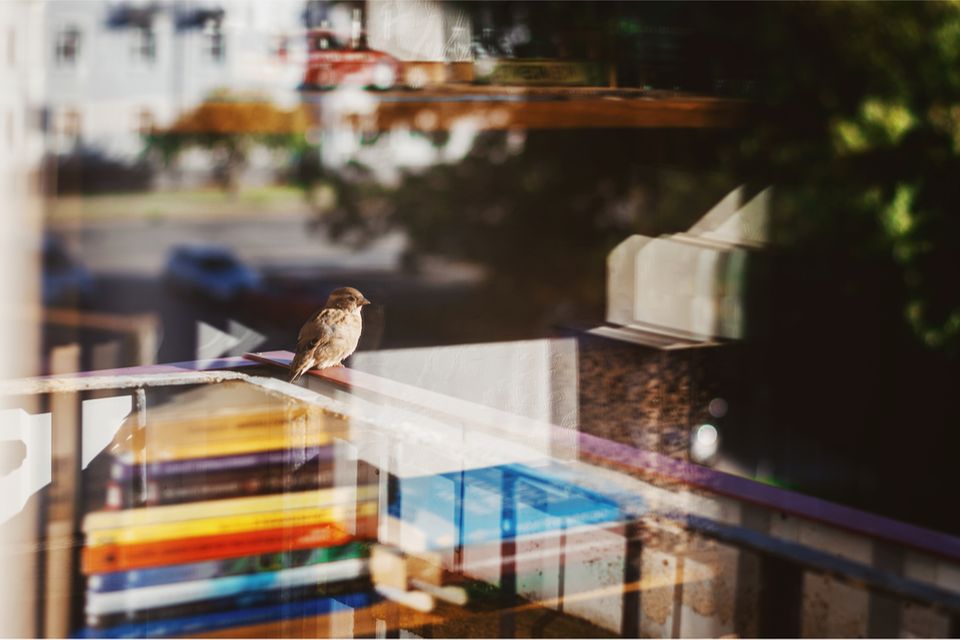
point(179, 513)
point(222, 419)
point(228, 525)
point(172, 450)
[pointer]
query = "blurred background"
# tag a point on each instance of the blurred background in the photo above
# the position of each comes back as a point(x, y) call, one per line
point(745, 214)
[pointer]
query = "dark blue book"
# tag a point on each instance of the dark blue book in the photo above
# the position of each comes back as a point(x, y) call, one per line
point(499, 503)
point(291, 457)
point(235, 617)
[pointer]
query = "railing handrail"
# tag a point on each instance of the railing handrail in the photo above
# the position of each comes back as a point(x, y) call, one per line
point(783, 500)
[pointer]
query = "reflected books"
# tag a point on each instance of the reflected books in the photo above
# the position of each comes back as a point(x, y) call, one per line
point(197, 479)
point(222, 420)
point(234, 617)
point(109, 558)
point(226, 510)
point(179, 593)
point(128, 518)
point(491, 504)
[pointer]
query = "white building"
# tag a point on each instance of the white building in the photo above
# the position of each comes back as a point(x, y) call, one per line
point(21, 153)
point(117, 68)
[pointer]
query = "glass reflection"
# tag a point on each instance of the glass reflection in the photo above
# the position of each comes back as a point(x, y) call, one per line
point(664, 341)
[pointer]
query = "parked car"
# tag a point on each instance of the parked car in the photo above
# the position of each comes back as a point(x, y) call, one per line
point(65, 280)
point(211, 271)
point(332, 62)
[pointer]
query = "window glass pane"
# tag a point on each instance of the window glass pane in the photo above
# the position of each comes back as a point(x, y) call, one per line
point(456, 319)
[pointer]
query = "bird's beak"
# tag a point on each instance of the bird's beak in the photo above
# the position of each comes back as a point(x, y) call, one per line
point(364, 302)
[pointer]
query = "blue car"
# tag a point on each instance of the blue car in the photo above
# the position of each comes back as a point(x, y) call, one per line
point(213, 272)
point(65, 281)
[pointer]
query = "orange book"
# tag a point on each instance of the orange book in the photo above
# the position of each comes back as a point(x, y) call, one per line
point(123, 557)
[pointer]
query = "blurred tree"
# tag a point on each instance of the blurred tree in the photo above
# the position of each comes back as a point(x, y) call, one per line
point(228, 126)
point(539, 211)
point(862, 139)
point(857, 338)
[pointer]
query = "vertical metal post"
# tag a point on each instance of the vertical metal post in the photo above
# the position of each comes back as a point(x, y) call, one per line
point(632, 572)
point(954, 627)
point(781, 599)
point(508, 553)
point(459, 491)
point(677, 617)
point(884, 618)
point(57, 575)
point(745, 619)
point(140, 406)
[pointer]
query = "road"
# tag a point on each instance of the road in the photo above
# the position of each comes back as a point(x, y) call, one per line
point(140, 246)
point(127, 258)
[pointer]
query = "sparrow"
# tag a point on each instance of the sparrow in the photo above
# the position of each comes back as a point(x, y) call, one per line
point(331, 334)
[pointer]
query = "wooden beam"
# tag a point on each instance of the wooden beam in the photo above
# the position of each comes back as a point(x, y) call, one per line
point(500, 108)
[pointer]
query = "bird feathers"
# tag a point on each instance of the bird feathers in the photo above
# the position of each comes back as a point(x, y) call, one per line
point(326, 339)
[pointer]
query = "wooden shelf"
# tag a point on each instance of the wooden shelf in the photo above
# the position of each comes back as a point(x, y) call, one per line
point(440, 108)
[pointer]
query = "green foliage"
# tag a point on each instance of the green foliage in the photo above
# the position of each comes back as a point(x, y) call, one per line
point(228, 127)
point(860, 139)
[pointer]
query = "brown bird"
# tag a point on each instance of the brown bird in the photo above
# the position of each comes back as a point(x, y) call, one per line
point(331, 334)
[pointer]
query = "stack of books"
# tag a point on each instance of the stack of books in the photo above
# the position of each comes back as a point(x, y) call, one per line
point(227, 508)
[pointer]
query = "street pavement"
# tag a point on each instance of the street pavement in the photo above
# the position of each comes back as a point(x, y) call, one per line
point(300, 267)
point(140, 247)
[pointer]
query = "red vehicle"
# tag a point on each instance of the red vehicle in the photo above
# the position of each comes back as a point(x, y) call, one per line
point(332, 62)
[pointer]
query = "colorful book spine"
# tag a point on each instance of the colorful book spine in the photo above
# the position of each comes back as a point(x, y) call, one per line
point(211, 427)
point(171, 450)
point(287, 457)
point(124, 557)
point(182, 592)
point(222, 508)
point(217, 486)
point(248, 599)
point(226, 525)
point(120, 580)
point(234, 617)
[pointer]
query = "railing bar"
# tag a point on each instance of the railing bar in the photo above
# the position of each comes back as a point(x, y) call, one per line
point(590, 446)
point(835, 566)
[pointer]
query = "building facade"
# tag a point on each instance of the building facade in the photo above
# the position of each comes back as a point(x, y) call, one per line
point(115, 70)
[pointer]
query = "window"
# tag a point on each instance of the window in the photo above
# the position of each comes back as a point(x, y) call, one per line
point(326, 42)
point(144, 121)
point(67, 46)
point(11, 129)
point(281, 47)
point(214, 45)
point(70, 123)
point(144, 46)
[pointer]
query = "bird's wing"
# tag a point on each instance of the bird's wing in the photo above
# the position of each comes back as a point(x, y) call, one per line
point(316, 332)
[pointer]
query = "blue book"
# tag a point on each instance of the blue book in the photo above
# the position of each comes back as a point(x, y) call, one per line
point(115, 602)
point(500, 503)
point(236, 617)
